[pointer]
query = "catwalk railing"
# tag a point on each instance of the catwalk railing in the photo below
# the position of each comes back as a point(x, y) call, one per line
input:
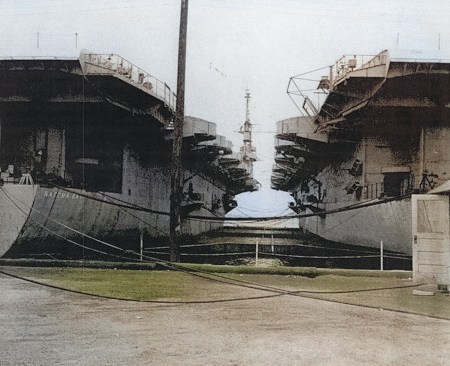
point(115, 65)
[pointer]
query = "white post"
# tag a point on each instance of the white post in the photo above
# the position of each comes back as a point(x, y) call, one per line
point(256, 252)
point(272, 243)
point(381, 255)
point(142, 244)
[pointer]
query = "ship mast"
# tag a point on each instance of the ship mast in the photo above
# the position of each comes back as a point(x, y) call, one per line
point(175, 169)
point(247, 150)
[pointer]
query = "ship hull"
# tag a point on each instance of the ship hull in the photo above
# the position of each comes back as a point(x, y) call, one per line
point(68, 223)
point(380, 134)
point(85, 160)
point(14, 213)
point(388, 222)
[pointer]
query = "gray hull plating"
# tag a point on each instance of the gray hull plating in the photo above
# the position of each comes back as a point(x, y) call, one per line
point(389, 222)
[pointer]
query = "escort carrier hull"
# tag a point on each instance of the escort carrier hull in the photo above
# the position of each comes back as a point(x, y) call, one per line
point(381, 133)
point(85, 153)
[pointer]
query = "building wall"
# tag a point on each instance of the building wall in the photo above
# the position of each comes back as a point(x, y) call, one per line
point(431, 239)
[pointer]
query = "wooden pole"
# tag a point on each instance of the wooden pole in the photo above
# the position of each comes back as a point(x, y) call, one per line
point(175, 170)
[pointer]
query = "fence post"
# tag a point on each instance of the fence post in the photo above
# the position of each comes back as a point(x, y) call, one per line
point(256, 252)
point(381, 255)
point(141, 244)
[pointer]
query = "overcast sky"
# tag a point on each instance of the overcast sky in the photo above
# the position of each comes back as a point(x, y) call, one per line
point(233, 45)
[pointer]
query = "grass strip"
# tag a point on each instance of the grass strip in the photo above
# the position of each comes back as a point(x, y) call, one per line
point(116, 283)
point(387, 292)
point(279, 270)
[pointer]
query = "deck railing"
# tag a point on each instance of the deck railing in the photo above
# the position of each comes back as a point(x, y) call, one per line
point(349, 63)
point(101, 64)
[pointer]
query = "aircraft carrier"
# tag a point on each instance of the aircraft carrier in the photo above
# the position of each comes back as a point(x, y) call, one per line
point(85, 154)
point(372, 131)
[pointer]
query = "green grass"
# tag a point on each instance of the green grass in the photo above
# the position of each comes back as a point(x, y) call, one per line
point(124, 284)
point(280, 270)
point(389, 289)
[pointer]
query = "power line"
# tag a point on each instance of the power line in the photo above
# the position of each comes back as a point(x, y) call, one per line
point(351, 207)
point(275, 292)
point(186, 246)
point(201, 274)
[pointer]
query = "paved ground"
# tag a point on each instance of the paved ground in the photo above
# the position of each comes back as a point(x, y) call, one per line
point(44, 326)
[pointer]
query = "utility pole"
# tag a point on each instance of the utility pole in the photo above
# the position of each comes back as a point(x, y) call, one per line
point(175, 169)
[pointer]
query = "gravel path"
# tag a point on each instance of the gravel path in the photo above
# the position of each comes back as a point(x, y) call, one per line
point(44, 326)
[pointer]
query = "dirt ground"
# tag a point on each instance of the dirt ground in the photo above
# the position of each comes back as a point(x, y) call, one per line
point(45, 326)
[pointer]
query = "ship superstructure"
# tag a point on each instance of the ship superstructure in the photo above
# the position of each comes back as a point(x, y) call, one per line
point(85, 151)
point(379, 131)
point(248, 151)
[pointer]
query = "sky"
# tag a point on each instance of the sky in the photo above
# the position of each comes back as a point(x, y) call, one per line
point(232, 46)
